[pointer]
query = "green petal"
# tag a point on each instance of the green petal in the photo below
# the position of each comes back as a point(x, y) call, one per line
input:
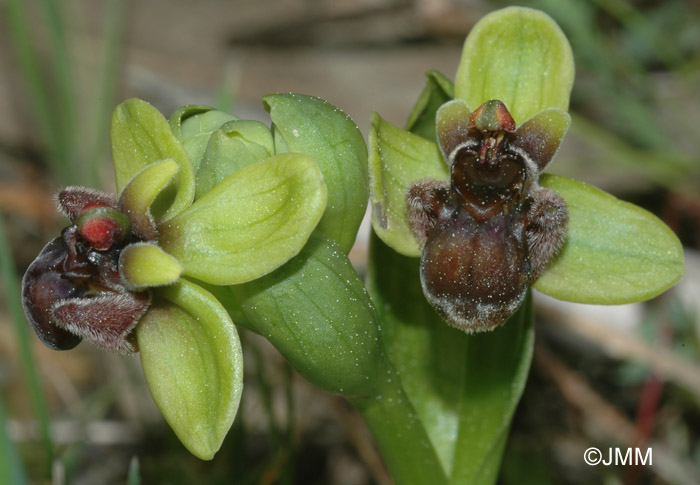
point(252, 222)
point(140, 193)
point(615, 253)
point(398, 158)
point(141, 136)
point(235, 145)
point(438, 91)
point(317, 313)
point(192, 125)
point(519, 56)
point(311, 126)
point(144, 265)
point(193, 364)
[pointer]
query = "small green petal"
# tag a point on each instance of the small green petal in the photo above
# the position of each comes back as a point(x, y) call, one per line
point(519, 56)
point(193, 364)
point(438, 91)
point(316, 128)
point(398, 158)
point(193, 124)
point(140, 193)
point(252, 222)
point(143, 265)
point(541, 135)
point(141, 136)
point(452, 125)
point(615, 252)
point(235, 145)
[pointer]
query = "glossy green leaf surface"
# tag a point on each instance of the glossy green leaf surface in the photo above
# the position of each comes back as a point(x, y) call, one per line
point(317, 313)
point(143, 265)
point(193, 364)
point(193, 125)
point(140, 136)
point(438, 91)
point(249, 224)
point(398, 158)
point(615, 251)
point(519, 56)
point(314, 127)
point(464, 387)
point(235, 145)
point(140, 193)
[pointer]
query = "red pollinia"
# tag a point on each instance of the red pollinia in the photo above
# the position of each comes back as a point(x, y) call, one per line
point(74, 289)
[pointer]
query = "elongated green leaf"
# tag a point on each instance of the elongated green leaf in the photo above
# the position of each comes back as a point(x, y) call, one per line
point(615, 252)
point(519, 56)
point(311, 126)
point(141, 136)
point(438, 91)
point(398, 158)
point(192, 125)
point(316, 311)
point(249, 224)
point(463, 387)
point(193, 364)
point(235, 145)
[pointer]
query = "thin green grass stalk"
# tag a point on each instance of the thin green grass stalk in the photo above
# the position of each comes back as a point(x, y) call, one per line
point(30, 67)
point(134, 475)
point(29, 366)
point(11, 470)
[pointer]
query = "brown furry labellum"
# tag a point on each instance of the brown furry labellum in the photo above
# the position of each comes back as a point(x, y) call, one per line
point(488, 232)
point(73, 289)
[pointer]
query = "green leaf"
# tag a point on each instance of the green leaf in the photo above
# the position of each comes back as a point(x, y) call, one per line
point(192, 125)
point(438, 91)
point(235, 145)
point(615, 251)
point(140, 193)
point(317, 313)
point(141, 136)
point(398, 158)
point(193, 364)
point(464, 387)
point(143, 265)
point(311, 126)
point(519, 56)
point(249, 224)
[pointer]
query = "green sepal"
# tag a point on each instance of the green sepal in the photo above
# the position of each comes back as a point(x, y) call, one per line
point(235, 145)
point(438, 90)
point(140, 193)
point(398, 158)
point(519, 56)
point(314, 127)
point(615, 252)
point(144, 265)
point(316, 312)
point(464, 388)
point(249, 224)
point(193, 124)
point(140, 136)
point(193, 364)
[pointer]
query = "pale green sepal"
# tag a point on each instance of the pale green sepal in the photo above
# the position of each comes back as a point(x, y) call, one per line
point(193, 364)
point(438, 91)
point(235, 145)
point(519, 56)
point(314, 127)
point(193, 124)
point(140, 193)
point(252, 222)
point(143, 265)
point(140, 136)
point(398, 158)
point(615, 251)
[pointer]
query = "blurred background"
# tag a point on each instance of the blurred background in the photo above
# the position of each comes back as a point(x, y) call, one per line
point(602, 376)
